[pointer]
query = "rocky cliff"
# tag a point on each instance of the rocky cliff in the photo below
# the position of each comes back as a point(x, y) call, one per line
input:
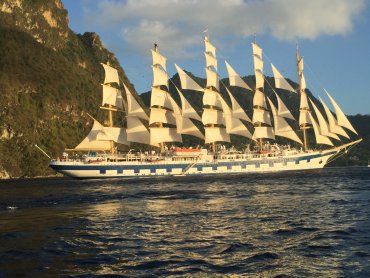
point(49, 78)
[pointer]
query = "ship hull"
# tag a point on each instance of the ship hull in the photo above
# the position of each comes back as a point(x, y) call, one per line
point(303, 161)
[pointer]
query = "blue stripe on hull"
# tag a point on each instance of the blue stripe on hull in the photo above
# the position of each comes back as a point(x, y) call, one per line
point(200, 167)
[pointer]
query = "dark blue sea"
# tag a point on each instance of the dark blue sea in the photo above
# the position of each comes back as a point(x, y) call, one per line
point(308, 224)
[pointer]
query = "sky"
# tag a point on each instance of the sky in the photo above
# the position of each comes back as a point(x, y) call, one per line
point(333, 36)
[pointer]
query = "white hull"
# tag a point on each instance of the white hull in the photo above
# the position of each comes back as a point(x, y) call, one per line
point(206, 165)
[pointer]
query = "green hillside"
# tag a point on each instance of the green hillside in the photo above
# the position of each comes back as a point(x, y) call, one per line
point(49, 79)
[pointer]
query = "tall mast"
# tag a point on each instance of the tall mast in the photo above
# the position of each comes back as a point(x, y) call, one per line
point(304, 110)
point(259, 124)
point(162, 120)
point(213, 117)
point(261, 117)
point(110, 119)
point(211, 106)
point(159, 124)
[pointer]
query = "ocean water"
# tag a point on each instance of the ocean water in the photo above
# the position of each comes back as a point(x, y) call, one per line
point(308, 224)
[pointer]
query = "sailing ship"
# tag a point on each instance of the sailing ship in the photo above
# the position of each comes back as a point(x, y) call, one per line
point(161, 128)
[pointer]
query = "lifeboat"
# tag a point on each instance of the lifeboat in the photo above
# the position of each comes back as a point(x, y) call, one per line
point(186, 152)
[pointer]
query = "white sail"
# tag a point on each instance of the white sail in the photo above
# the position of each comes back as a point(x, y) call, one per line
point(112, 96)
point(115, 134)
point(187, 109)
point(280, 81)
point(266, 132)
point(212, 98)
point(283, 111)
point(160, 115)
point(216, 134)
point(236, 126)
point(111, 74)
point(212, 116)
point(304, 110)
point(212, 79)
point(164, 134)
point(261, 116)
point(211, 61)
point(320, 139)
point(160, 77)
point(133, 107)
point(304, 117)
point(186, 126)
point(341, 118)
point(160, 98)
point(237, 111)
point(259, 99)
point(235, 79)
point(323, 125)
point(258, 65)
point(209, 47)
point(302, 80)
point(136, 131)
point(91, 143)
point(281, 127)
point(257, 51)
point(259, 79)
point(233, 124)
point(333, 126)
point(187, 83)
point(158, 59)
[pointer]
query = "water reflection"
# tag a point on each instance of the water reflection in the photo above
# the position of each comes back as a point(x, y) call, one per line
point(278, 225)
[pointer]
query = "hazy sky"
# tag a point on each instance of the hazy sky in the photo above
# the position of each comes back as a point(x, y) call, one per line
point(333, 37)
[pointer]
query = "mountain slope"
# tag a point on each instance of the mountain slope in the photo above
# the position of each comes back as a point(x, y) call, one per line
point(50, 77)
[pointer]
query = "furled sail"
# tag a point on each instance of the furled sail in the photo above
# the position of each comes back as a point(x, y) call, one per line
point(235, 79)
point(333, 125)
point(341, 117)
point(320, 139)
point(323, 125)
point(280, 81)
point(187, 83)
point(281, 127)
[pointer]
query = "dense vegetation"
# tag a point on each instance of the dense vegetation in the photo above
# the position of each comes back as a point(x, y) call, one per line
point(46, 87)
point(50, 79)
